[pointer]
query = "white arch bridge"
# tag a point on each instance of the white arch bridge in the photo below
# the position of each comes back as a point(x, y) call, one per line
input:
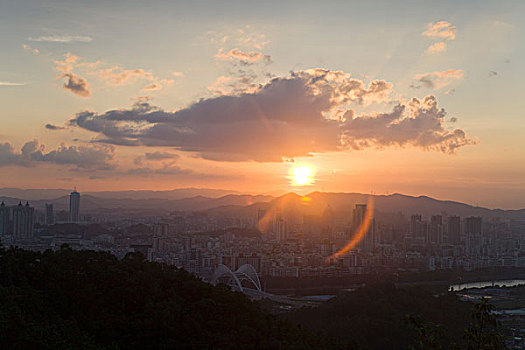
point(245, 273)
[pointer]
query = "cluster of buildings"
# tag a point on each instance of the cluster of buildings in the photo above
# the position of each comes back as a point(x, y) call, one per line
point(310, 249)
point(279, 243)
point(17, 222)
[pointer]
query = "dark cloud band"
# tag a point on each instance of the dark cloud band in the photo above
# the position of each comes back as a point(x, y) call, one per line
point(305, 113)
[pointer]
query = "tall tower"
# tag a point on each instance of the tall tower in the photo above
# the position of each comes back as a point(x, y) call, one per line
point(74, 206)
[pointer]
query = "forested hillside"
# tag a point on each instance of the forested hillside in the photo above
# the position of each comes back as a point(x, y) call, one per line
point(90, 300)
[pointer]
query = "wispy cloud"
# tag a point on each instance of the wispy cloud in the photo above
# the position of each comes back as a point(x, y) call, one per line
point(244, 57)
point(118, 76)
point(152, 87)
point(30, 48)
point(110, 76)
point(437, 47)
point(441, 29)
point(9, 83)
point(62, 38)
point(246, 38)
point(438, 79)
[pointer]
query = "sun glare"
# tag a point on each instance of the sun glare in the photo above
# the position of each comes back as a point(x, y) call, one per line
point(301, 176)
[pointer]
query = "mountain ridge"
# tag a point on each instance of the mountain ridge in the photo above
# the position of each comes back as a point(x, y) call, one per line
point(248, 205)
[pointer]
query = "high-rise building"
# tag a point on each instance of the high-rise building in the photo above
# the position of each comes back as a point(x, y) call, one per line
point(436, 229)
point(473, 224)
point(416, 226)
point(50, 214)
point(454, 229)
point(473, 233)
point(23, 222)
point(74, 206)
point(4, 219)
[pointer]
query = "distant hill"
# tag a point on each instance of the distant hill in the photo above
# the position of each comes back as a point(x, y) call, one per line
point(179, 193)
point(342, 205)
point(245, 205)
point(92, 204)
point(407, 205)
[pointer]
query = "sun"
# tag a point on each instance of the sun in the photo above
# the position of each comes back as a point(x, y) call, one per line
point(301, 176)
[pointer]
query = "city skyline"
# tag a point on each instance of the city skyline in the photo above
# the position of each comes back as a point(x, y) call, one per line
point(265, 98)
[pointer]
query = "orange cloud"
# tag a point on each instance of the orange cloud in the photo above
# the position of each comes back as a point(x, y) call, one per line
point(437, 47)
point(246, 57)
point(117, 76)
point(441, 29)
point(32, 49)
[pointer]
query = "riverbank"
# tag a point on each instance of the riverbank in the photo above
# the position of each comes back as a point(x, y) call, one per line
point(439, 281)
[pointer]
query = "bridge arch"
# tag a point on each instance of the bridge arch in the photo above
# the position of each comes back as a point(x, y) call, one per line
point(249, 272)
point(244, 273)
point(223, 270)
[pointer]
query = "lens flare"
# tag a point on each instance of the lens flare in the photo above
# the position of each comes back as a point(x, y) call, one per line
point(360, 233)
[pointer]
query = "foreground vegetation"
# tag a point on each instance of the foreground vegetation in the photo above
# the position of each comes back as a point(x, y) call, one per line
point(91, 300)
point(383, 316)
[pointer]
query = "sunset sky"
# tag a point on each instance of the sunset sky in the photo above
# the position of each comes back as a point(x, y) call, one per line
point(414, 97)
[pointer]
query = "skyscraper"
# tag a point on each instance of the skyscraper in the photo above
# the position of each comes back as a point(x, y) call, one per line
point(473, 232)
point(74, 206)
point(454, 228)
point(416, 226)
point(436, 229)
point(4, 219)
point(473, 224)
point(50, 214)
point(23, 222)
